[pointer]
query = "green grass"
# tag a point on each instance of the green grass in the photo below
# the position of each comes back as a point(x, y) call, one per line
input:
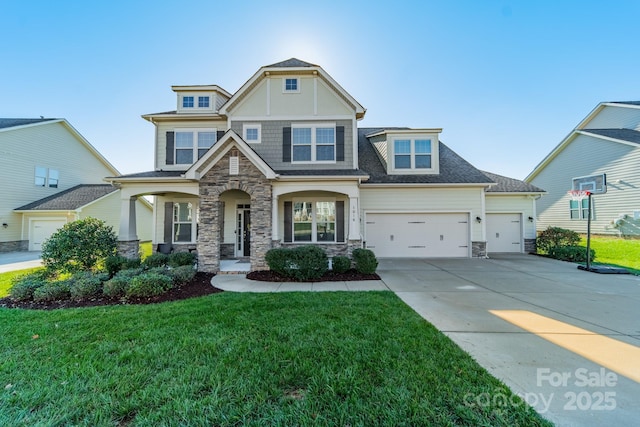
point(5, 279)
point(616, 251)
point(244, 359)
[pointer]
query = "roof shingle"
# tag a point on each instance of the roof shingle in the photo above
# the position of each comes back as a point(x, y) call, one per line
point(71, 199)
point(9, 123)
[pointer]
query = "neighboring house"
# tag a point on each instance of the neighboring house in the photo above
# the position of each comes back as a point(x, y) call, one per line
point(282, 162)
point(51, 175)
point(606, 142)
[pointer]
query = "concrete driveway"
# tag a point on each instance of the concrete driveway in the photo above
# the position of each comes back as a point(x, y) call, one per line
point(565, 340)
point(12, 261)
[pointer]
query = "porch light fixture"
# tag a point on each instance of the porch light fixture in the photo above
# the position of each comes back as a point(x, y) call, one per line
point(478, 219)
point(530, 219)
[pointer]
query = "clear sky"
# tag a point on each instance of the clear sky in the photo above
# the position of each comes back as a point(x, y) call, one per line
point(506, 80)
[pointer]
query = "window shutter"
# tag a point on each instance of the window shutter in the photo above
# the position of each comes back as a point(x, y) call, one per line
point(340, 221)
point(286, 144)
point(168, 221)
point(288, 221)
point(340, 143)
point(170, 148)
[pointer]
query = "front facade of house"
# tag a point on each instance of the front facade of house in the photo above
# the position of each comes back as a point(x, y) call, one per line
point(282, 162)
point(606, 142)
point(52, 175)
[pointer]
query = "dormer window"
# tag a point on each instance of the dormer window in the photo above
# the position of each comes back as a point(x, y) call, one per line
point(412, 153)
point(193, 102)
point(291, 85)
point(187, 102)
point(203, 102)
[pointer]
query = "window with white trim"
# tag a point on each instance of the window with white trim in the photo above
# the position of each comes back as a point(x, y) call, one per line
point(314, 221)
point(190, 141)
point(412, 153)
point(252, 133)
point(195, 101)
point(579, 209)
point(187, 102)
point(45, 177)
point(203, 102)
point(313, 143)
point(182, 222)
point(291, 85)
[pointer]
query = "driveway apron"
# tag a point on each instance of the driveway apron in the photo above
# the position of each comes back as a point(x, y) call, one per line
point(565, 340)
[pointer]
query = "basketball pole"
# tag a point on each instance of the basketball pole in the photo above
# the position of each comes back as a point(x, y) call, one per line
point(589, 234)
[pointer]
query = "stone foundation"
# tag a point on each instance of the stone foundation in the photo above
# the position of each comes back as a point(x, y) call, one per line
point(15, 246)
point(479, 249)
point(129, 248)
point(530, 246)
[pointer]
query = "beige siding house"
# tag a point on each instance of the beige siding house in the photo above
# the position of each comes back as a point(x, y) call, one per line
point(606, 142)
point(282, 162)
point(51, 176)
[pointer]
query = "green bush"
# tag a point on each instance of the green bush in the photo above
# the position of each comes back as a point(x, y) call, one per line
point(24, 286)
point(571, 253)
point(341, 264)
point(148, 284)
point(53, 291)
point(365, 261)
point(279, 260)
point(115, 263)
point(156, 260)
point(178, 259)
point(555, 237)
point(117, 286)
point(79, 245)
point(87, 285)
point(182, 274)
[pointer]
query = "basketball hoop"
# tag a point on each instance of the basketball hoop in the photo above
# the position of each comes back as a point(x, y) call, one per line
point(578, 195)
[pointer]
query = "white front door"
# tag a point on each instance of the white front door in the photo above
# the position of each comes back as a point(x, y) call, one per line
point(504, 232)
point(41, 230)
point(418, 235)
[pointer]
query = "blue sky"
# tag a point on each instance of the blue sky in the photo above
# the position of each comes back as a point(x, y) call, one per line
point(506, 80)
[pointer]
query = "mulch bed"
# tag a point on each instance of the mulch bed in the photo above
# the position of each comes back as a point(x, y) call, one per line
point(199, 286)
point(329, 276)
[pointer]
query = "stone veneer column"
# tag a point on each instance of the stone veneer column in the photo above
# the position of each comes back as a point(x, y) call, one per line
point(129, 248)
point(479, 249)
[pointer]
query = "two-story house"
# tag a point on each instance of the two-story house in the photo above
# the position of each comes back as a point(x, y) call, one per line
point(282, 162)
point(52, 175)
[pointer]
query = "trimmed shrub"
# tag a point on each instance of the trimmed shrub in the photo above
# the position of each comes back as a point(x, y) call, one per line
point(365, 261)
point(79, 245)
point(341, 264)
point(571, 253)
point(117, 286)
point(311, 262)
point(279, 260)
point(115, 263)
point(24, 286)
point(182, 274)
point(87, 285)
point(155, 260)
point(555, 237)
point(178, 259)
point(148, 284)
point(53, 291)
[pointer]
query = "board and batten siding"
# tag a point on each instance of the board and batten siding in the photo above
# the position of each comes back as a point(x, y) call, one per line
point(427, 200)
point(584, 156)
point(161, 138)
point(48, 145)
point(615, 117)
point(520, 204)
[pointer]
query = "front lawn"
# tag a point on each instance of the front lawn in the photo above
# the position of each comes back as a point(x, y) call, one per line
point(238, 359)
point(7, 277)
point(616, 251)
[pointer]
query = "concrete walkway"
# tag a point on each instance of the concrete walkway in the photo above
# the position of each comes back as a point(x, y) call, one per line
point(12, 261)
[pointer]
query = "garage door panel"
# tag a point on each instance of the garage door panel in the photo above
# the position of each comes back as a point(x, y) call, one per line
point(504, 232)
point(418, 235)
point(41, 230)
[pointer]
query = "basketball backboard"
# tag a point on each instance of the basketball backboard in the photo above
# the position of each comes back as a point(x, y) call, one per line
point(595, 184)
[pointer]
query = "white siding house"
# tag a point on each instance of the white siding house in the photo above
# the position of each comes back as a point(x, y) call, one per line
point(606, 142)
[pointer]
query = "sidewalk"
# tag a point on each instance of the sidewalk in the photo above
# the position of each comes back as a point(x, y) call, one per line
point(12, 261)
point(239, 283)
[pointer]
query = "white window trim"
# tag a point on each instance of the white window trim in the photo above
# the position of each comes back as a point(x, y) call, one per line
point(313, 127)
point(257, 126)
point(195, 107)
point(284, 84)
point(46, 177)
point(314, 222)
point(194, 148)
point(581, 210)
point(434, 169)
point(194, 222)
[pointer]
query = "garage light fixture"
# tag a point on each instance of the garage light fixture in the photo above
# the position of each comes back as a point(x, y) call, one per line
point(530, 219)
point(478, 219)
point(5, 225)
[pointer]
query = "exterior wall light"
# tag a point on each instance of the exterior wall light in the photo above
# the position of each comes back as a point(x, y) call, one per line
point(478, 219)
point(5, 225)
point(530, 219)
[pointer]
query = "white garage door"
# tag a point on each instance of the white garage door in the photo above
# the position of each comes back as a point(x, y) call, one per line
point(418, 235)
point(41, 230)
point(504, 232)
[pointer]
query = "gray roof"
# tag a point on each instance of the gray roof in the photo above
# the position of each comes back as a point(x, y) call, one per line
point(9, 123)
point(628, 135)
point(323, 172)
point(291, 63)
point(510, 185)
point(453, 168)
point(152, 174)
point(71, 199)
point(626, 102)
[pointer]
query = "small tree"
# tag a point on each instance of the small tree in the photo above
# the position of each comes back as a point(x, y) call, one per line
point(79, 245)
